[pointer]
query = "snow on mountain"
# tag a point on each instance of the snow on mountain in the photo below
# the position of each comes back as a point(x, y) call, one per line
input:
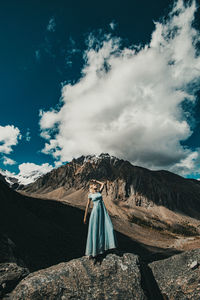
point(9, 177)
point(95, 158)
point(28, 173)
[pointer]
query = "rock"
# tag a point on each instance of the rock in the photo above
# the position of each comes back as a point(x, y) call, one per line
point(194, 265)
point(12, 267)
point(10, 276)
point(117, 277)
point(175, 279)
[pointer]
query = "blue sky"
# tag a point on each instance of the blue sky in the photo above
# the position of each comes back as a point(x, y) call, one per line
point(48, 45)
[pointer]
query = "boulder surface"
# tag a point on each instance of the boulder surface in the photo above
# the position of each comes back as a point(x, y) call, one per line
point(114, 277)
point(178, 277)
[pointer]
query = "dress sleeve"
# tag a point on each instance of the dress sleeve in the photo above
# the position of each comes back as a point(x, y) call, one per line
point(90, 195)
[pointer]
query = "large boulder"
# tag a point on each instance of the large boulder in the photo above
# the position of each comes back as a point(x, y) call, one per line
point(117, 277)
point(178, 277)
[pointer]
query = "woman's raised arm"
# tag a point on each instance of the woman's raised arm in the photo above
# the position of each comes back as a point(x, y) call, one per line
point(102, 186)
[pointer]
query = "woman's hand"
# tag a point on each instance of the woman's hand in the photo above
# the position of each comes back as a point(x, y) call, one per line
point(93, 180)
point(84, 220)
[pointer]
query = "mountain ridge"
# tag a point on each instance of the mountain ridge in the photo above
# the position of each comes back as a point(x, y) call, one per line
point(137, 186)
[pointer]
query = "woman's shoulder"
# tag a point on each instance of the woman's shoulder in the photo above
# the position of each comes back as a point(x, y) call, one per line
point(92, 195)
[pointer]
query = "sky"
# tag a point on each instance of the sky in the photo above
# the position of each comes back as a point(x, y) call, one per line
point(118, 77)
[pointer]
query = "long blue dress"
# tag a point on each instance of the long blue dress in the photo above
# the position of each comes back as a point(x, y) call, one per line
point(101, 235)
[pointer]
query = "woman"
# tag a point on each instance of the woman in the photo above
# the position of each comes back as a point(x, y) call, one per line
point(101, 235)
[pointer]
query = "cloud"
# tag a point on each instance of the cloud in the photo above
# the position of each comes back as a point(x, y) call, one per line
point(8, 161)
point(27, 136)
point(48, 119)
point(9, 136)
point(70, 52)
point(113, 25)
point(51, 25)
point(58, 164)
point(190, 164)
point(130, 102)
point(37, 54)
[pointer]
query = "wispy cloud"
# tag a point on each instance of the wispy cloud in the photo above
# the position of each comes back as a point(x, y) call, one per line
point(51, 25)
point(129, 102)
point(8, 161)
point(27, 136)
point(37, 55)
point(70, 52)
point(47, 45)
point(113, 25)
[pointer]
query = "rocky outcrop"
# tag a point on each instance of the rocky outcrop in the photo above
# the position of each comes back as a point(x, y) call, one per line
point(131, 185)
point(115, 276)
point(12, 267)
point(178, 277)
point(118, 277)
point(10, 275)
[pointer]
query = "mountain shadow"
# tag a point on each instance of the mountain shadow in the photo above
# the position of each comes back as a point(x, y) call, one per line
point(47, 232)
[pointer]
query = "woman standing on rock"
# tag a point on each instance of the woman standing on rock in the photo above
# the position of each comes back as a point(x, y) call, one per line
point(101, 235)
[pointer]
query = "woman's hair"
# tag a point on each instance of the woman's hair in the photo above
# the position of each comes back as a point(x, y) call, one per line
point(91, 184)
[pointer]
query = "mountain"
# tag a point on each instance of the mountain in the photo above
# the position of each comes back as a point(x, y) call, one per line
point(39, 233)
point(38, 227)
point(159, 199)
point(16, 181)
point(47, 238)
point(8, 178)
point(136, 186)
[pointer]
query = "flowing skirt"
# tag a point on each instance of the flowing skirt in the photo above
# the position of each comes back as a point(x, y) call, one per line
point(101, 235)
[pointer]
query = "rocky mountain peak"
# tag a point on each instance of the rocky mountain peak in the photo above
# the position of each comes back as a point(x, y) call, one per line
point(94, 158)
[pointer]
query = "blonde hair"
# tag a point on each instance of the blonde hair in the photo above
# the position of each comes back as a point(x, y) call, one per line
point(91, 186)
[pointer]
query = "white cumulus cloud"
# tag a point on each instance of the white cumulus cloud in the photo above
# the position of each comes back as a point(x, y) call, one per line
point(9, 136)
point(129, 102)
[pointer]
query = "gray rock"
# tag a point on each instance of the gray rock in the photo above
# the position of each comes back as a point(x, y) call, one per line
point(12, 267)
point(176, 280)
point(194, 264)
point(117, 277)
point(10, 276)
